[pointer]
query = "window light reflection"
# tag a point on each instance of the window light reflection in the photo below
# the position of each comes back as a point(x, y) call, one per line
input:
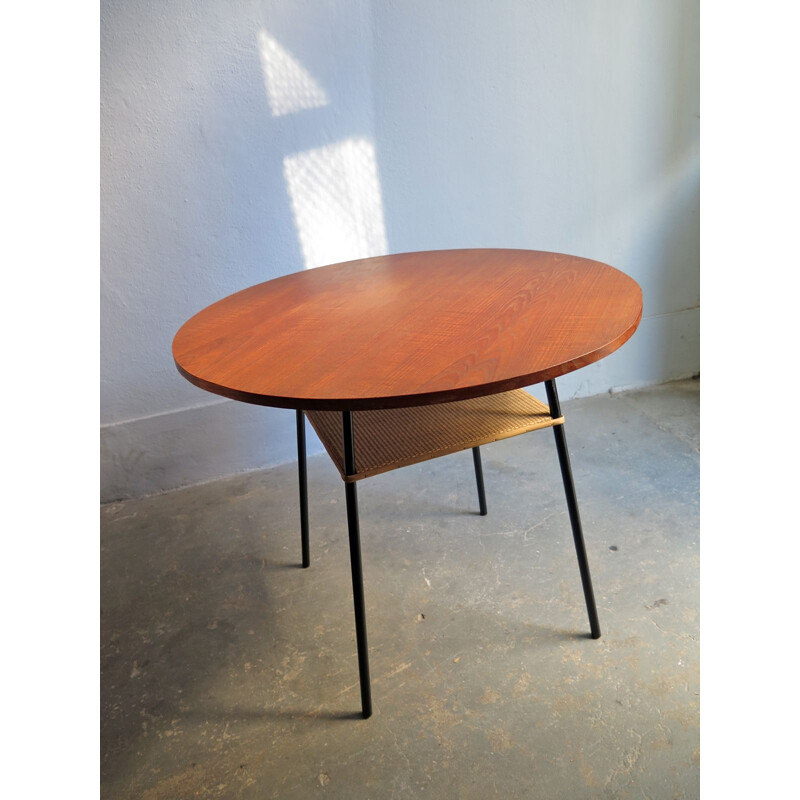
point(336, 200)
point(289, 86)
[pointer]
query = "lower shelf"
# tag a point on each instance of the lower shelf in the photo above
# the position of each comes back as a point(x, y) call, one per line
point(388, 439)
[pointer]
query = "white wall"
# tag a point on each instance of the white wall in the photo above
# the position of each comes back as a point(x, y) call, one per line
point(242, 141)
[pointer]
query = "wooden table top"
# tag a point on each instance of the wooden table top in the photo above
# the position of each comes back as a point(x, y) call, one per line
point(409, 329)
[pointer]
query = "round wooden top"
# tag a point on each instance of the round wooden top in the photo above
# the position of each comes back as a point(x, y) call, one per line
point(409, 329)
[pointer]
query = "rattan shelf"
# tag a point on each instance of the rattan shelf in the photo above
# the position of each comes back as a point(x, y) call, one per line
point(388, 439)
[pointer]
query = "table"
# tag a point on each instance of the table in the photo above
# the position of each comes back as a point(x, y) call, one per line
point(403, 358)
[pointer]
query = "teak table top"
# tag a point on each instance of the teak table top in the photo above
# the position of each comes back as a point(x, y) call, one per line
point(409, 329)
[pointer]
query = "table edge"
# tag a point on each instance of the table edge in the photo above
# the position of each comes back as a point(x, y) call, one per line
point(416, 399)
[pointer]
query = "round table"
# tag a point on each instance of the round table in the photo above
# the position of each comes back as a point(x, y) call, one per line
point(406, 357)
point(409, 329)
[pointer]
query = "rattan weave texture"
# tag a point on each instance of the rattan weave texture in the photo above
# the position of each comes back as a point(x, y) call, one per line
point(387, 439)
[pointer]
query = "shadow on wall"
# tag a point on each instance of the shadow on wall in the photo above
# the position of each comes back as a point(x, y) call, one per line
point(311, 166)
point(334, 188)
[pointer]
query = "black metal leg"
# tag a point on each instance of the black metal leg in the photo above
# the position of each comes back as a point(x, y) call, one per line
point(301, 470)
point(572, 505)
point(476, 457)
point(351, 498)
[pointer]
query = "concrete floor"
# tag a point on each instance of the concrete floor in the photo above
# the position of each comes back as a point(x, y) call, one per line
point(227, 671)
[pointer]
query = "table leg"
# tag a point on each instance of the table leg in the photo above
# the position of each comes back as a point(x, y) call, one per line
point(476, 457)
point(572, 505)
point(351, 498)
point(301, 470)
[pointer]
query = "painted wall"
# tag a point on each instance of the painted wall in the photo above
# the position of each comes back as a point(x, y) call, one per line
point(242, 141)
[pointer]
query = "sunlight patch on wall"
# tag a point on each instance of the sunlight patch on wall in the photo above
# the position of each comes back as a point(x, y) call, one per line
point(336, 200)
point(289, 86)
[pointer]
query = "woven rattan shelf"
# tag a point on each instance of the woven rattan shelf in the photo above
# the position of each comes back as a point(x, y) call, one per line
point(391, 438)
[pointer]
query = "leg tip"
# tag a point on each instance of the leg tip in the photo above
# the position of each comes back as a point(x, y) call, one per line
point(366, 713)
point(595, 634)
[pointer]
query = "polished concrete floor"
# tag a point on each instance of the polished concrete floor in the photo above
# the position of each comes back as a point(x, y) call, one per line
point(228, 671)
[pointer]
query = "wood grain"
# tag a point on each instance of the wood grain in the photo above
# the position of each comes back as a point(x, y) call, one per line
point(409, 329)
